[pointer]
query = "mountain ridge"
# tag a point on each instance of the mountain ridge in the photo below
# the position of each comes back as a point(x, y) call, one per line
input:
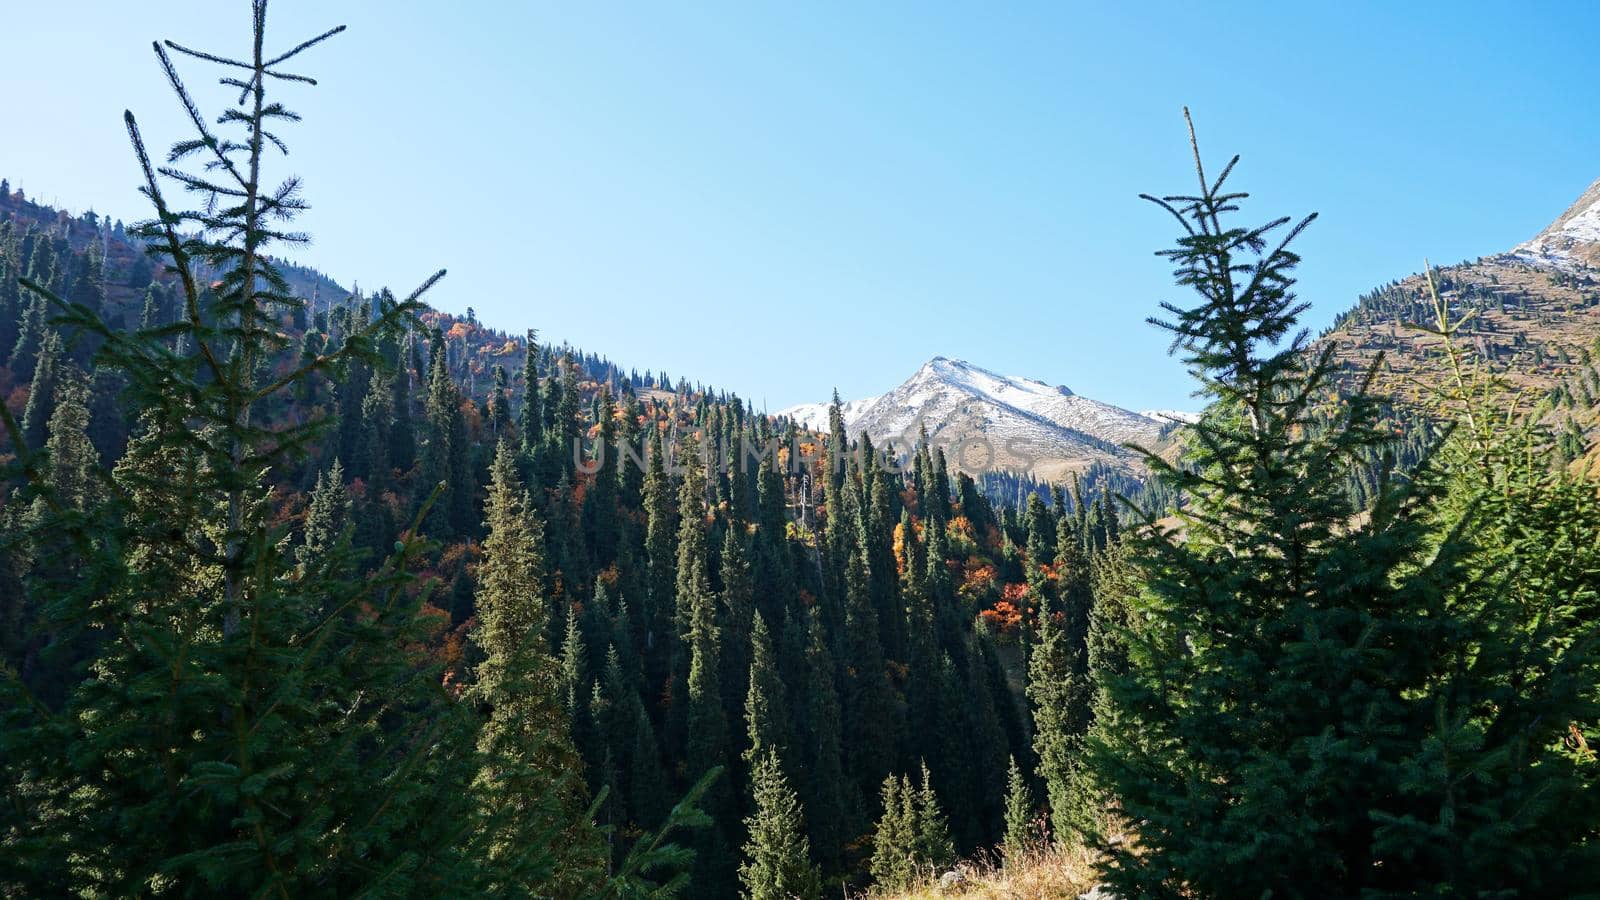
point(1536, 320)
point(991, 421)
point(1572, 240)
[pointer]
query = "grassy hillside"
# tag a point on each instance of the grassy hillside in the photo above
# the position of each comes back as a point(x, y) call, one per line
point(1536, 326)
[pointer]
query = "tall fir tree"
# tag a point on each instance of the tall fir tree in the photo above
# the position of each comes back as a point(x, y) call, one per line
point(824, 785)
point(766, 704)
point(445, 455)
point(531, 773)
point(129, 783)
point(48, 372)
point(1021, 832)
point(75, 467)
point(933, 848)
point(530, 418)
point(658, 614)
point(912, 840)
point(327, 516)
point(778, 862)
point(1058, 695)
point(707, 741)
point(1303, 681)
point(737, 615)
point(870, 709)
point(893, 864)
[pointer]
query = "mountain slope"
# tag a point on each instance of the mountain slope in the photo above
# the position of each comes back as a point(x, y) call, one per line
point(1573, 240)
point(129, 272)
point(1535, 314)
point(984, 420)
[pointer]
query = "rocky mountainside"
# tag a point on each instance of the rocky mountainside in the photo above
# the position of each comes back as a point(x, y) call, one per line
point(1572, 242)
point(990, 421)
point(1535, 316)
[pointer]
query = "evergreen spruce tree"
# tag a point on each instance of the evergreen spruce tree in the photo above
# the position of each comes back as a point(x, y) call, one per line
point(377, 438)
point(912, 840)
point(575, 690)
point(568, 418)
point(1305, 712)
point(1059, 697)
point(530, 419)
point(75, 469)
point(707, 741)
point(1021, 833)
point(647, 782)
point(939, 583)
point(876, 542)
point(839, 544)
point(766, 706)
point(497, 408)
point(327, 516)
point(828, 810)
point(349, 393)
point(870, 710)
point(530, 777)
point(632, 459)
point(609, 710)
point(1498, 795)
point(32, 330)
point(236, 729)
point(692, 589)
point(660, 598)
point(736, 616)
point(1040, 549)
point(600, 516)
point(445, 453)
point(402, 430)
point(778, 862)
point(933, 849)
point(893, 864)
point(969, 751)
point(47, 374)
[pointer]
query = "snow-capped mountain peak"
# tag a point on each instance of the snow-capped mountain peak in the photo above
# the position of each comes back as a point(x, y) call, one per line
point(1572, 241)
point(965, 374)
point(1171, 415)
point(987, 420)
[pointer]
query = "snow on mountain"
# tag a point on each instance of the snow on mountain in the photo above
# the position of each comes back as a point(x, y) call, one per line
point(1171, 415)
point(1572, 241)
point(984, 420)
point(815, 415)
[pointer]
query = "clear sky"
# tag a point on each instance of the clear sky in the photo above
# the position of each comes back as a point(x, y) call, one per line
point(779, 199)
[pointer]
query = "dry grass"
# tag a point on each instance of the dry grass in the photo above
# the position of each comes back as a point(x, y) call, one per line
point(1043, 873)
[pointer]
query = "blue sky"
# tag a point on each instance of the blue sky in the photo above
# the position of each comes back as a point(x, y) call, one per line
point(781, 199)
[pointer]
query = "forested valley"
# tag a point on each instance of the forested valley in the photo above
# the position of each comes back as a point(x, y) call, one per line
point(308, 592)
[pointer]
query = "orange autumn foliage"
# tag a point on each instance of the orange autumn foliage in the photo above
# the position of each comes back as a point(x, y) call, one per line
point(1004, 617)
point(977, 581)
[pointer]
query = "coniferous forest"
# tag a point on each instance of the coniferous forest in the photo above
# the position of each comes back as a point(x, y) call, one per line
point(314, 593)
